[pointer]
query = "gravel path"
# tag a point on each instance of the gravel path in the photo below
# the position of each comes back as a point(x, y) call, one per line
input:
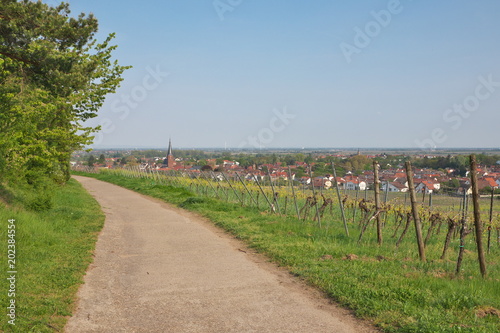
point(160, 269)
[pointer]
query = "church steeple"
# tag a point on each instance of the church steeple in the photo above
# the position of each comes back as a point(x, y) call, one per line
point(169, 152)
point(169, 162)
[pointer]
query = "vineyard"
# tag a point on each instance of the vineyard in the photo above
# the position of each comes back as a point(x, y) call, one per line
point(336, 238)
point(442, 216)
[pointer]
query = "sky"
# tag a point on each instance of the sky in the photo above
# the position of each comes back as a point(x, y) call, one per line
point(282, 74)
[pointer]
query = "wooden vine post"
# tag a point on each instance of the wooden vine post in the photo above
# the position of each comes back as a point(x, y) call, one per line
point(231, 186)
point(355, 205)
point(463, 231)
point(275, 194)
point(340, 199)
point(376, 189)
point(491, 218)
point(271, 206)
point(293, 192)
point(314, 196)
point(477, 215)
point(246, 188)
point(414, 209)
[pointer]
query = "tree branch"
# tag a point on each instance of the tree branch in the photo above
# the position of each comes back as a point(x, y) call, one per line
point(15, 57)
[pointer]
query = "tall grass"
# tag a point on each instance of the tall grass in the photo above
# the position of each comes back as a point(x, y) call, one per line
point(54, 248)
point(387, 285)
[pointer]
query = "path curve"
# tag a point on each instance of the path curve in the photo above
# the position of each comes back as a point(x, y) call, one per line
point(158, 268)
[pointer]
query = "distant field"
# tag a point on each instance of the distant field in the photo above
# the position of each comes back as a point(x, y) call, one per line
point(386, 284)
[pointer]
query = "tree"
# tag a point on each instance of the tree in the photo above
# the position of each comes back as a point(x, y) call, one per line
point(102, 159)
point(360, 163)
point(129, 160)
point(309, 159)
point(299, 172)
point(54, 76)
point(91, 161)
point(452, 184)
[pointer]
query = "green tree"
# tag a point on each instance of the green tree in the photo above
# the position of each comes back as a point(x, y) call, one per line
point(91, 161)
point(129, 160)
point(299, 172)
point(102, 159)
point(309, 159)
point(453, 183)
point(360, 163)
point(54, 75)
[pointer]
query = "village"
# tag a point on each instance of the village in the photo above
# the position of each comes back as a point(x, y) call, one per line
point(354, 172)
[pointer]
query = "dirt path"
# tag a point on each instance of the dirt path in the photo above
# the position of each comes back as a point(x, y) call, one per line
point(160, 269)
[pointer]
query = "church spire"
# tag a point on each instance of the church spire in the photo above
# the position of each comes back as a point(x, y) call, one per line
point(169, 162)
point(169, 152)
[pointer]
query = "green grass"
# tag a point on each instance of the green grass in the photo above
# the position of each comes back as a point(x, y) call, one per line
point(388, 286)
point(54, 248)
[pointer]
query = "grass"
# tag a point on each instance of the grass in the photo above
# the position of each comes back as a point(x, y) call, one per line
point(384, 284)
point(53, 250)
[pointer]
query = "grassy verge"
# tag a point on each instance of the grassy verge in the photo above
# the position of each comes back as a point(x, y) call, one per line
point(53, 250)
point(388, 286)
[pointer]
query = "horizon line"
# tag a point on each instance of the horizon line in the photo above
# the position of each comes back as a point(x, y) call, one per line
point(295, 148)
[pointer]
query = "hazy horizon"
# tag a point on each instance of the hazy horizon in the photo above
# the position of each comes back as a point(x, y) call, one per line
point(361, 149)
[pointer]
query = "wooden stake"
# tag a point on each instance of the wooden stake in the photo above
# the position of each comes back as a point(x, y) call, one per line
point(314, 195)
point(293, 192)
point(414, 209)
point(273, 210)
point(477, 216)
point(463, 233)
point(491, 219)
point(340, 200)
point(376, 189)
point(231, 186)
point(212, 186)
point(355, 205)
point(245, 186)
point(275, 194)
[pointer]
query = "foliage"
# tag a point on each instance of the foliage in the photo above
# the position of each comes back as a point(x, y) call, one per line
point(487, 190)
point(459, 163)
point(91, 160)
point(55, 248)
point(54, 75)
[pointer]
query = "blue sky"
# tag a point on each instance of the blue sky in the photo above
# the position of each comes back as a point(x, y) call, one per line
point(255, 73)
